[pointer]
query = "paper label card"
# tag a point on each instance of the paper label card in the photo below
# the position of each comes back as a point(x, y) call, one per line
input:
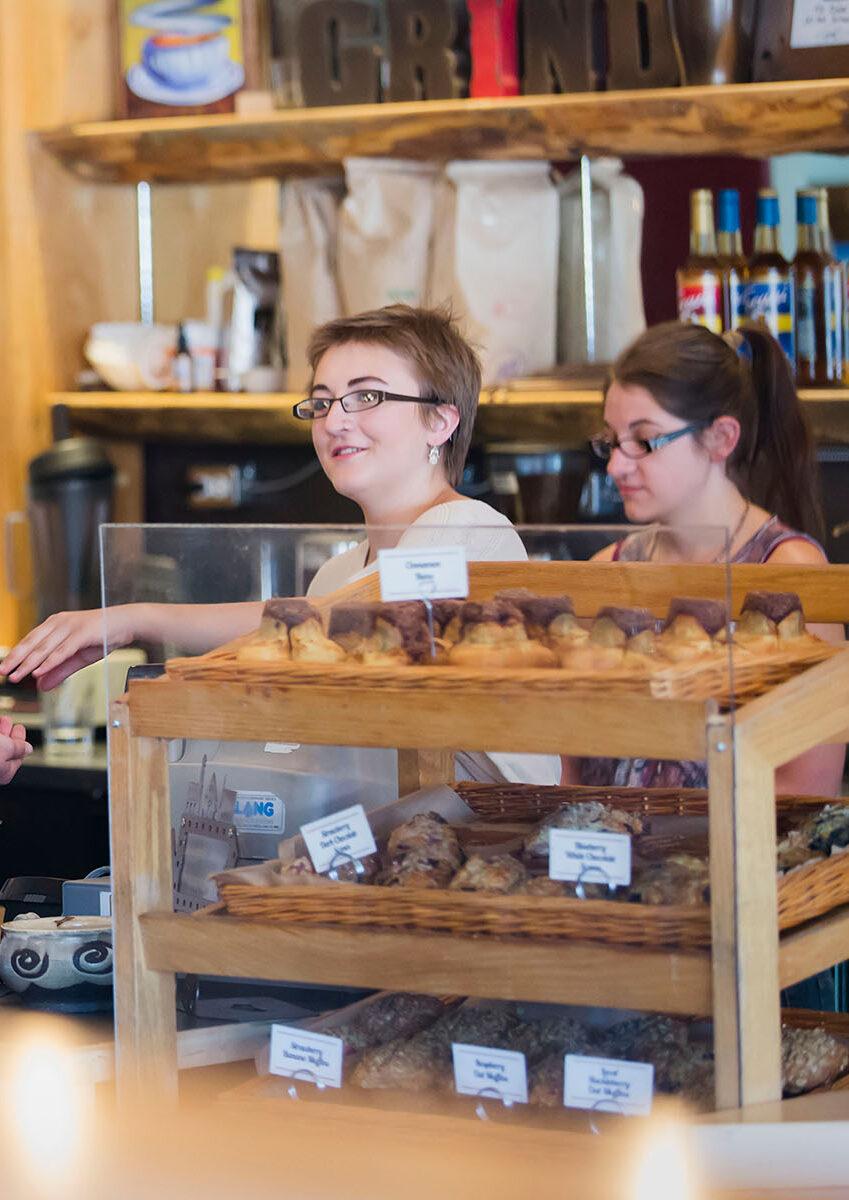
point(608, 1085)
point(577, 855)
point(339, 839)
point(819, 23)
point(483, 1071)
point(258, 812)
point(281, 747)
point(312, 1057)
point(440, 573)
point(105, 904)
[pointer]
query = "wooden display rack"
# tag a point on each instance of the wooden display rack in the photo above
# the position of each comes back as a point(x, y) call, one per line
point(738, 980)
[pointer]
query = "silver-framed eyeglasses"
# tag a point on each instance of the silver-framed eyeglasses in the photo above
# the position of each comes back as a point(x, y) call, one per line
point(604, 444)
point(316, 407)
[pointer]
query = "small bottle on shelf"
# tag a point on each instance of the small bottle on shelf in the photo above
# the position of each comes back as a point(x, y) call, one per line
point(699, 280)
point(770, 288)
point(729, 241)
point(182, 365)
point(838, 315)
point(817, 361)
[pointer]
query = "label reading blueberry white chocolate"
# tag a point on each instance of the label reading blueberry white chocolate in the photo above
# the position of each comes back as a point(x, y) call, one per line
point(608, 1085)
point(435, 574)
point(341, 838)
point(483, 1071)
point(312, 1057)
point(819, 23)
point(577, 855)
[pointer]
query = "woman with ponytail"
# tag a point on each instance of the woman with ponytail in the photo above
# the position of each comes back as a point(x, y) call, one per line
point(704, 432)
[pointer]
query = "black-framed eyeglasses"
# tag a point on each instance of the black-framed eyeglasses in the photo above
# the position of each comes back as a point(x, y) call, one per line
point(316, 407)
point(632, 447)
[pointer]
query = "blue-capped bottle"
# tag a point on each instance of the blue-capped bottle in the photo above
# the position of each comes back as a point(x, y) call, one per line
point(729, 242)
point(770, 289)
point(837, 315)
point(818, 352)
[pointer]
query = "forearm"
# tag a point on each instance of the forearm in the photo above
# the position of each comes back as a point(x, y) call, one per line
point(193, 628)
point(819, 772)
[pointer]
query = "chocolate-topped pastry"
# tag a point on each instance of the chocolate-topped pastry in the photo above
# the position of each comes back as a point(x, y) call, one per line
point(620, 638)
point(770, 617)
point(690, 628)
point(290, 611)
point(711, 615)
point(352, 622)
point(382, 634)
point(446, 619)
point(493, 634)
point(301, 621)
point(290, 628)
point(544, 616)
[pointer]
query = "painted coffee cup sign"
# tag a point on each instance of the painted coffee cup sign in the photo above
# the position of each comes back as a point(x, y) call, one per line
point(180, 55)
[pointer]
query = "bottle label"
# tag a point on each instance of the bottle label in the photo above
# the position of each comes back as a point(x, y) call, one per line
point(834, 321)
point(700, 302)
point(736, 299)
point(770, 300)
point(806, 330)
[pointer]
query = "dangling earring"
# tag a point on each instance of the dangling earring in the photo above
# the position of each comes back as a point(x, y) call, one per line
point(433, 455)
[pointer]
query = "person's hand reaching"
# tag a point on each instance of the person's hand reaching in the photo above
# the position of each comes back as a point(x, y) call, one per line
point(66, 642)
point(14, 748)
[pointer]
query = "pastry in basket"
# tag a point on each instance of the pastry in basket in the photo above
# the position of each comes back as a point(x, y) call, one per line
point(290, 629)
point(550, 619)
point(418, 870)
point(810, 1058)
point(423, 852)
point(620, 639)
point(679, 879)
point(499, 875)
point(387, 1017)
point(446, 620)
point(794, 851)
point(543, 885)
point(382, 634)
point(770, 621)
point(426, 833)
point(493, 635)
point(691, 629)
point(299, 871)
point(417, 1064)
point(555, 1034)
point(828, 830)
point(590, 815)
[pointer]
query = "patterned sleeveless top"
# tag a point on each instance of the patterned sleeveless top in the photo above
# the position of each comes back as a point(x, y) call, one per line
point(643, 772)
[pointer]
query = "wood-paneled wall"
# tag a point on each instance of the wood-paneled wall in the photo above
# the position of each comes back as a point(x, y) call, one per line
point(68, 249)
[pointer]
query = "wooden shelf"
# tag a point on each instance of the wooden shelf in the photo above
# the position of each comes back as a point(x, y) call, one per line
point(526, 412)
point(758, 120)
point(565, 972)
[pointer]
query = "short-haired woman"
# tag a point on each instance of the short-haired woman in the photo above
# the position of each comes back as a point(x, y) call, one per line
point(392, 408)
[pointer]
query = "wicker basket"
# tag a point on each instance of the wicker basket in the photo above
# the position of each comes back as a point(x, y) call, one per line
point(703, 681)
point(803, 894)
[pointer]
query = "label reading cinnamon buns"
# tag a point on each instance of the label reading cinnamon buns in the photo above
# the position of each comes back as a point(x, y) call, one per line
point(341, 838)
point(582, 856)
point(608, 1085)
point(440, 573)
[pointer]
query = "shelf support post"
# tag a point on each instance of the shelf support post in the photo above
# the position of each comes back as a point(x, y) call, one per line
point(744, 918)
point(144, 224)
point(587, 247)
point(145, 1021)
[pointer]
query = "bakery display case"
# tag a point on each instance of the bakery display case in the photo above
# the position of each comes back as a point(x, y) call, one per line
point(682, 686)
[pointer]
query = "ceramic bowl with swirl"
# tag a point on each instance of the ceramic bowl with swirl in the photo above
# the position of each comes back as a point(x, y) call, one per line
point(59, 963)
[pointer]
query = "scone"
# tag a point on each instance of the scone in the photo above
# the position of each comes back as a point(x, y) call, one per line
point(691, 628)
point(619, 639)
point(386, 1017)
point(493, 634)
point(680, 879)
point(810, 1058)
point(499, 875)
point(425, 833)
